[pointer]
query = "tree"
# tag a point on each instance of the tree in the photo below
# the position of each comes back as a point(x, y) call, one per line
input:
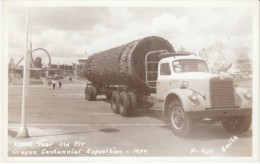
point(204, 54)
point(242, 53)
point(219, 48)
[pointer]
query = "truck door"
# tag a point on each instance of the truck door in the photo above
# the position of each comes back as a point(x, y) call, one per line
point(163, 84)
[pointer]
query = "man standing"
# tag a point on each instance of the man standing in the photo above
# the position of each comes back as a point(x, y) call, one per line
point(60, 84)
point(53, 84)
point(49, 84)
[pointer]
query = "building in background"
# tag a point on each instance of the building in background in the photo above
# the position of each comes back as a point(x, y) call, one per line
point(59, 68)
point(81, 66)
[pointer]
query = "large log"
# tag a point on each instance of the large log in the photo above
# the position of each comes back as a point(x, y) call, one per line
point(124, 65)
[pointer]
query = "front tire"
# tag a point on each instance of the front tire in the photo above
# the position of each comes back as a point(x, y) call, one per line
point(179, 120)
point(237, 124)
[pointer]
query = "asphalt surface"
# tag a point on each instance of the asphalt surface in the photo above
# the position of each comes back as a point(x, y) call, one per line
point(62, 123)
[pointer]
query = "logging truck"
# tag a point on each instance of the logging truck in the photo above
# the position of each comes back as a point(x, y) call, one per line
point(149, 70)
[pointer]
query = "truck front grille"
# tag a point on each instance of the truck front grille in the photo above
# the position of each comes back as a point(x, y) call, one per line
point(222, 92)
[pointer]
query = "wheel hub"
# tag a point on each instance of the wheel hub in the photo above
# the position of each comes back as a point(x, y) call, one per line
point(177, 117)
point(233, 123)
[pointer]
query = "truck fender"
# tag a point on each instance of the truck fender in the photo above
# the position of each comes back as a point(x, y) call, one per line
point(183, 96)
point(240, 99)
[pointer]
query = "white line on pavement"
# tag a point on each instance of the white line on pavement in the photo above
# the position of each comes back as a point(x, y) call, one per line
point(56, 95)
point(82, 125)
point(108, 114)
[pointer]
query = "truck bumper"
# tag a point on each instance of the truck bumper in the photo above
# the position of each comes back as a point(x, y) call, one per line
point(215, 112)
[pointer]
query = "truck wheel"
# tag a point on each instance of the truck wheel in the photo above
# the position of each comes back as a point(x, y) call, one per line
point(179, 120)
point(86, 93)
point(237, 124)
point(89, 94)
point(108, 96)
point(94, 93)
point(133, 102)
point(124, 104)
point(115, 102)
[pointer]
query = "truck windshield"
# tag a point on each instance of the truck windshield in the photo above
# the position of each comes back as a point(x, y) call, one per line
point(190, 65)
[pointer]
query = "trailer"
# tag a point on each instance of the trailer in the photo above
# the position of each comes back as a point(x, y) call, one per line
point(149, 70)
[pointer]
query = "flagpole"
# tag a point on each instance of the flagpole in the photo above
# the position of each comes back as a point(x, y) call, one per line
point(23, 132)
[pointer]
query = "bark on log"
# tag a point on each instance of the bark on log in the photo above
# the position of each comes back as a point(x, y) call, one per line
point(124, 65)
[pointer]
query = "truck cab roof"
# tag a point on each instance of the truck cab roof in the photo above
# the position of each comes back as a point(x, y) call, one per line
point(174, 58)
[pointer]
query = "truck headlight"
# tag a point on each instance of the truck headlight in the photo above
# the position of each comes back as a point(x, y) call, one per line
point(193, 96)
point(248, 94)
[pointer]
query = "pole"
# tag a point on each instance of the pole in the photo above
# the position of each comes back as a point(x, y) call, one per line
point(29, 53)
point(28, 67)
point(23, 132)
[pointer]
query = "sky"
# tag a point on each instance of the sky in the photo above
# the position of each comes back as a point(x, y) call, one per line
point(75, 32)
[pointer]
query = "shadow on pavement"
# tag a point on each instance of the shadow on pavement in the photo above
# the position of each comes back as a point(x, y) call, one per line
point(46, 135)
point(108, 130)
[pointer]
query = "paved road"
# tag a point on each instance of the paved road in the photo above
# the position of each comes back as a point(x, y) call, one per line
point(63, 123)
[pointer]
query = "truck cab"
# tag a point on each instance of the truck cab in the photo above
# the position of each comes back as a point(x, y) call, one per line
point(176, 72)
point(192, 94)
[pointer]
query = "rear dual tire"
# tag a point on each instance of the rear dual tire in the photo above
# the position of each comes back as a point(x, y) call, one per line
point(90, 93)
point(124, 103)
point(115, 102)
point(86, 93)
point(133, 103)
